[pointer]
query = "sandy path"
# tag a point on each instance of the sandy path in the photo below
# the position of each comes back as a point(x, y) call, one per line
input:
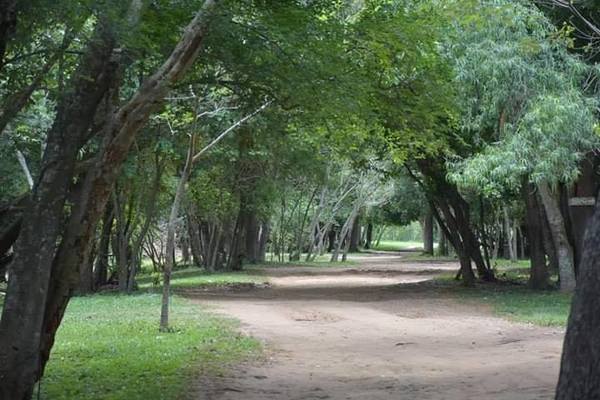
point(374, 332)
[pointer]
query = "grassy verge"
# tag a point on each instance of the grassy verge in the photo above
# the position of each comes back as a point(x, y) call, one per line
point(196, 277)
point(512, 299)
point(389, 245)
point(521, 304)
point(425, 258)
point(109, 348)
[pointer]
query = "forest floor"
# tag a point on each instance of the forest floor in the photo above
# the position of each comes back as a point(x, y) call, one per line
point(383, 328)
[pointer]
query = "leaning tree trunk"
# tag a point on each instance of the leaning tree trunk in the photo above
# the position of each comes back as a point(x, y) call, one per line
point(456, 221)
point(44, 279)
point(442, 244)
point(170, 248)
point(564, 250)
point(23, 312)
point(580, 366)
point(119, 133)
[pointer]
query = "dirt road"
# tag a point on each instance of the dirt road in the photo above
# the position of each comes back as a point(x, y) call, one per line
point(378, 331)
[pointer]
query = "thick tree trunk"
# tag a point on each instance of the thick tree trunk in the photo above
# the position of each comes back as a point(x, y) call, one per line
point(331, 236)
point(355, 235)
point(237, 252)
point(428, 233)
point(580, 366)
point(184, 245)
point(538, 275)
point(11, 216)
point(28, 288)
point(564, 250)
point(20, 327)
point(442, 243)
point(369, 236)
point(101, 268)
point(8, 24)
point(195, 242)
point(548, 241)
point(251, 237)
point(351, 229)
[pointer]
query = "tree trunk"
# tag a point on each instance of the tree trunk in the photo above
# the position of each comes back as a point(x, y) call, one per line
point(265, 231)
point(355, 235)
point(121, 242)
point(428, 233)
point(369, 236)
point(52, 278)
point(564, 250)
point(149, 211)
point(580, 366)
point(236, 249)
point(101, 268)
point(509, 238)
point(28, 288)
point(442, 243)
point(195, 242)
point(445, 198)
point(170, 248)
point(8, 25)
point(331, 236)
point(251, 237)
point(538, 275)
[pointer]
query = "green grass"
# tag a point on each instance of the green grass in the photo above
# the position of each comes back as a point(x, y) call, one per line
point(512, 299)
point(196, 277)
point(521, 304)
point(425, 257)
point(109, 348)
point(389, 245)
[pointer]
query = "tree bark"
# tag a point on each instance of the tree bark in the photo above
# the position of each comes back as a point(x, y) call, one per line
point(42, 278)
point(445, 200)
point(101, 268)
point(428, 233)
point(538, 272)
point(265, 231)
point(369, 236)
point(564, 250)
point(355, 235)
point(170, 250)
point(580, 365)
point(509, 237)
point(251, 237)
point(8, 24)
point(442, 244)
point(194, 236)
point(23, 311)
